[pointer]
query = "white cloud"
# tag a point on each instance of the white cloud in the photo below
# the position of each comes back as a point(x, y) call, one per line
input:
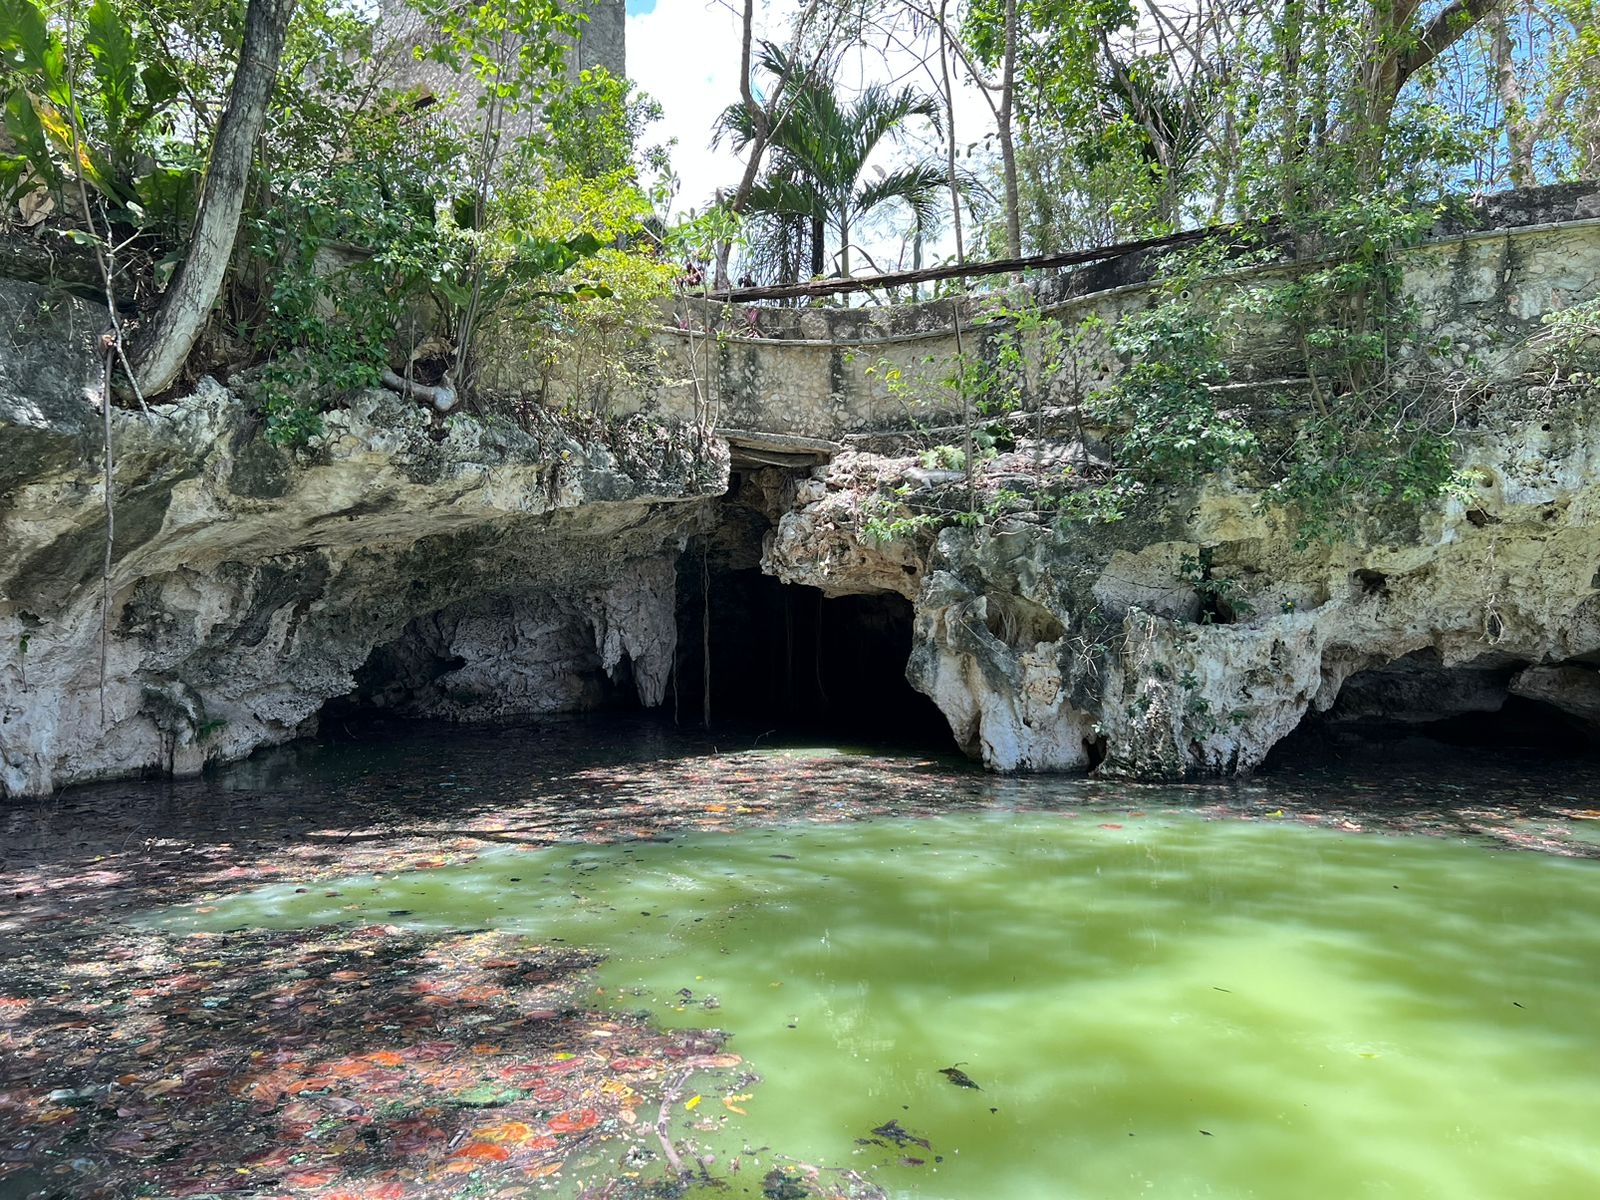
point(685, 53)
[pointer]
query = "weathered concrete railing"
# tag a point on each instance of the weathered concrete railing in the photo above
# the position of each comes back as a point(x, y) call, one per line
point(1482, 286)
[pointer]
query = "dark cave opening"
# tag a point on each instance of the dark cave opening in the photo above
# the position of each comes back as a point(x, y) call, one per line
point(787, 661)
point(1415, 709)
point(766, 660)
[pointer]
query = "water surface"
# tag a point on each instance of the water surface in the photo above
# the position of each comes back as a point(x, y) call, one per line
point(1152, 1003)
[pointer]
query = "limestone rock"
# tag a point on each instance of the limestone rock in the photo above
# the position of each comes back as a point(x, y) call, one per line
point(501, 570)
point(1110, 648)
point(1575, 690)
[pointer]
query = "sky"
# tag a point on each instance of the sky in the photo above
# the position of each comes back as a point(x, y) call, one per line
point(685, 53)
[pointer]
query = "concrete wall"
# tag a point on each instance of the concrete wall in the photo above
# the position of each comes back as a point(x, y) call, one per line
point(1481, 287)
point(602, 43)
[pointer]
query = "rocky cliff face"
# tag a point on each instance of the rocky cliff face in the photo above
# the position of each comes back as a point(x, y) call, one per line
point(496, 571)
point(472, 570)
point(1085, 647)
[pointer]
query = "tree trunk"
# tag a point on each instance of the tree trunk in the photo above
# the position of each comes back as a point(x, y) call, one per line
point(1520, 135)
point(188, 301)
point(1008, 148)
point(1396, 50)
point(1290, 34)
point(950, 130)
point(818, 231)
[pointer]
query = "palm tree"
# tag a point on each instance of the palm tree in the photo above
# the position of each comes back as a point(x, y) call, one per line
point(820, 149)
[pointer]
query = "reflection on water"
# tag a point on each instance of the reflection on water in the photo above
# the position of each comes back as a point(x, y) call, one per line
point(1151, 1004)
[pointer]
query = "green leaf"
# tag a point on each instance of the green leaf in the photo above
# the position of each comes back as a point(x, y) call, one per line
point(24, 37)
point(16, 177)
point(116, 68)
point(23, 124)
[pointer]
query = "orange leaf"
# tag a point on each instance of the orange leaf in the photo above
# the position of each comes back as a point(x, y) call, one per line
point(483, 1150)
point(506, 1131)
point(575, 1121)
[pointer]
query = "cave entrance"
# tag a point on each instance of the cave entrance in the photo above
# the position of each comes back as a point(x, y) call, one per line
point(788, 660)
point(495, 659)
point(697, 625)
point(1416, 708)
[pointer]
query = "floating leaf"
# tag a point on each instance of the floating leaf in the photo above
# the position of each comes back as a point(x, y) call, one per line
point(576, 1121)
point(486, 1151)
point(959, 1077)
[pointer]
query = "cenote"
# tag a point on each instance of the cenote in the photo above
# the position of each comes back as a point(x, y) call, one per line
point(1152, 997)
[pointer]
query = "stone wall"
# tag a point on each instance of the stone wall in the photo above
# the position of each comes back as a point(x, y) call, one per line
point(1481, 284)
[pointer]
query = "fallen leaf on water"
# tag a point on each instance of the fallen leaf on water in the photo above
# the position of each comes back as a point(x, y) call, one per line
point(691, 1102)
point(575, 1121)
point(897, 1134)
point(959, 1077)
point(486, 1151)
point(310, 1179)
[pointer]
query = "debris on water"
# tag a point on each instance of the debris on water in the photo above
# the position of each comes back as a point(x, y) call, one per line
point(897, 1134)
point(959, 1077)
point(781, 1184)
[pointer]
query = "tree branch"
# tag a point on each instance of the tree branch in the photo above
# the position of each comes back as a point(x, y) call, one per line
point(1439, 34)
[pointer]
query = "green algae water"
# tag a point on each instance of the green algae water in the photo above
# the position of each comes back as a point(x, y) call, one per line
point(1150, 1004)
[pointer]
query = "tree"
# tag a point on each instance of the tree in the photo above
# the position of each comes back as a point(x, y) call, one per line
point(188, 301)
point(811, 42)
point(820, 157)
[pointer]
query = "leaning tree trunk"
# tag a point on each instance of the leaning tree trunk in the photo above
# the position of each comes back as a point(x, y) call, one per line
point(165, 346)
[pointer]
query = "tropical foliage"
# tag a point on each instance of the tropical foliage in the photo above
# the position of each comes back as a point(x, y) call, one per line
point(392, 210)
point(818, 187)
